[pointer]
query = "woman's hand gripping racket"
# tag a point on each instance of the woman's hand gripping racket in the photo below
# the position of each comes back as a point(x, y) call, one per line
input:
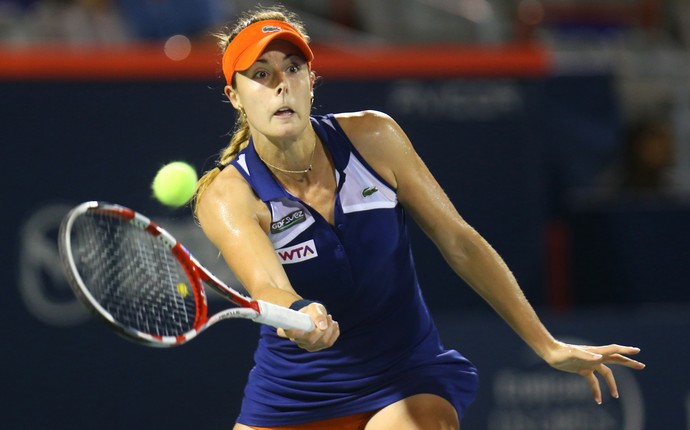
point(145, 284)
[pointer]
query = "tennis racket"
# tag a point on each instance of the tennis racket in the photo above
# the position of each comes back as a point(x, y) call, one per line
point(147, 286)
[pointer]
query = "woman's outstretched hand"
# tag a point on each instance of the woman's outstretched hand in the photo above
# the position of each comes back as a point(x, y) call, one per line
point(588, 360)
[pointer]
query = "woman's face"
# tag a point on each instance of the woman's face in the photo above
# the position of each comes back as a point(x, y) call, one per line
point(275, 92)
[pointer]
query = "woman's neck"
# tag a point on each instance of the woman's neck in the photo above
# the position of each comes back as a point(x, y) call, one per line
point(295, 157)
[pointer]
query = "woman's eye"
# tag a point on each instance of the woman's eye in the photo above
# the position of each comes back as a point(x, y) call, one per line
point(260, 74)
point(294, 68)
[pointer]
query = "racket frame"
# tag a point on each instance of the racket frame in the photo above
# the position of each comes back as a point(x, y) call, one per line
point(255, 310)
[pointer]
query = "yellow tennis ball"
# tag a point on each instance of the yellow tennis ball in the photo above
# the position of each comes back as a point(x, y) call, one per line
point(174, 184)
point(182, 289)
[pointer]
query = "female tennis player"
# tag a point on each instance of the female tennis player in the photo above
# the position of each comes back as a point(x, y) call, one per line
point(310, 212)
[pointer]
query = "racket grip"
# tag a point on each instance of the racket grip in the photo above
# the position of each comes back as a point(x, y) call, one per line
point(280, 317)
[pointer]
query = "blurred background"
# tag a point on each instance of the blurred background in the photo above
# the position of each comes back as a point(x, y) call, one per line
point(559, 128)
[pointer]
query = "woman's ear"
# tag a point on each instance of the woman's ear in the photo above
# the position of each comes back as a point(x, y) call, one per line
point(312, 81)
point(231, 94)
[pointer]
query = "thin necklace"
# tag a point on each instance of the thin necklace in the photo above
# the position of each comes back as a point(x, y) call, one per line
point(308, 169)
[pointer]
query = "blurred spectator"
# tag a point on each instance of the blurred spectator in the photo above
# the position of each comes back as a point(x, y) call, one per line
point(65, 21)
point(645, 163)
point(428, 21)
point(108, 21)
point(678, 17)
point(161, 19)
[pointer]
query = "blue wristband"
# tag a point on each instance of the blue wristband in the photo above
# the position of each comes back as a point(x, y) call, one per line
point(299, 304)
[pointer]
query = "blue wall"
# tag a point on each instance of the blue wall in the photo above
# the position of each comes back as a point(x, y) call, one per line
point(505, 150)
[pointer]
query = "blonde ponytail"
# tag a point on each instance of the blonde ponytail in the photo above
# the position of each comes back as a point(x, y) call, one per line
point(239, 141)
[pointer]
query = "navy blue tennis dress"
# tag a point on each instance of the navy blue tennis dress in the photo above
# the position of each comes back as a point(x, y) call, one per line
point(361, 269)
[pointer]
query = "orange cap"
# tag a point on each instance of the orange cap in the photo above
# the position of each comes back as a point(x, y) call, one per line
point(250, 43)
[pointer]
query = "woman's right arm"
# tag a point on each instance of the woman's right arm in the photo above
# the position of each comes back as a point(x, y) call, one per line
point(236, 221)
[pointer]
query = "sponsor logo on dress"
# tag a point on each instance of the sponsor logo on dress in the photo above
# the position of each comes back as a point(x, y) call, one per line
point(297, 253)
point(369, 191)
point(288, 221)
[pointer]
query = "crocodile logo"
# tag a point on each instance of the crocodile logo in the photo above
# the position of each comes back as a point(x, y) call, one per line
point(368, 191)
point(271, 29)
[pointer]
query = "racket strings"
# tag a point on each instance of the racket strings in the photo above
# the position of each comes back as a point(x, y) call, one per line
point(133, 276)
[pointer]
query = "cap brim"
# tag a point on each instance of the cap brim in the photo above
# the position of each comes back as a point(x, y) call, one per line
point(250, 55)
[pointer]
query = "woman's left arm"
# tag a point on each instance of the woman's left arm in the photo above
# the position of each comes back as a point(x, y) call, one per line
point(386, 147)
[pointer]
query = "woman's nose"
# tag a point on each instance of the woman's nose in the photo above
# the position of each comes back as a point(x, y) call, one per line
point(280, 84)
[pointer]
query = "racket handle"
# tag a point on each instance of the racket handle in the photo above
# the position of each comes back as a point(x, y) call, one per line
point(280, 317)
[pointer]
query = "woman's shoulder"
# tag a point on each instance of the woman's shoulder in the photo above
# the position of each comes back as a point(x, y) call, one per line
point(365, 126)
point(228, 189)
point(376, 136)
point(366, 119)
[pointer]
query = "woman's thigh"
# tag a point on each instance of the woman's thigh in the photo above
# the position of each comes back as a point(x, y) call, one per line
point(418, 412)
